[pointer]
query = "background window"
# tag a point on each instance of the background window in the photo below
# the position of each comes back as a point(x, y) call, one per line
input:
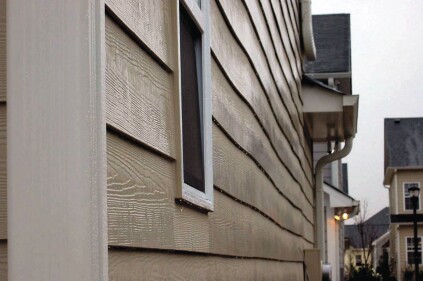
point(408, 205)
point(410, 250)
point(358, 261)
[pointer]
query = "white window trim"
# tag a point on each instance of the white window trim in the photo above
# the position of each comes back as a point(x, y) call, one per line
point(406, 247)
point(201, 17)
point(403, 195)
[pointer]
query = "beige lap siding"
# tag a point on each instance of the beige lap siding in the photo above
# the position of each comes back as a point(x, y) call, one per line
point(139, 98)
point(263, 201)
point(151, 22)
point(3, 143)
point(148, 266)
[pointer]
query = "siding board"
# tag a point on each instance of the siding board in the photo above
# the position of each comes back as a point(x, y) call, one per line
point(256, 42)
point(142, 213)
point(2, 50)
point(260, 149)
point(239, 176)
point(257, 18)
point(281, 48)
point(150, 21)
point(251, 48)
point(3, 261)
point(3, 173)
point(293, 35)
point(151, 266)
point(237, 120)
point(283, 31)
point(139, 99)
point(241, 75)
point(272, 44)
point(293, 24)
point(296, 8)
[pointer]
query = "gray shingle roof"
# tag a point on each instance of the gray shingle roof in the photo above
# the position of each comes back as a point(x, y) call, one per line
point(403, 142)
point(332, 36)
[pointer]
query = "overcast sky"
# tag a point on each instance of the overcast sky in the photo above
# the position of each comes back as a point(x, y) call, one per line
point(387, 72)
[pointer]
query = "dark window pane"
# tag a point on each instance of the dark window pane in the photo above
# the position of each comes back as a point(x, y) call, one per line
point(407, 197)
point(191, 118)
point(410, 250)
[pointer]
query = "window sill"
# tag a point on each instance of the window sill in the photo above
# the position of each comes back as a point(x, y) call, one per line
point(197, 198)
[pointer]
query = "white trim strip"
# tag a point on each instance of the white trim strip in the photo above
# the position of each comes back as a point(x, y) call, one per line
point(57, 210)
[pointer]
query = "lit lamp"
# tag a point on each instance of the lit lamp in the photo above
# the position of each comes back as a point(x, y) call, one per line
point(414, 194)
point(341, 216)
point(345, 216)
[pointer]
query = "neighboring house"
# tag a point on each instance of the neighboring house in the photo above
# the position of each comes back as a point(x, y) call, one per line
point(166, 140)
point(380, 246)
point(403, 169)
point(359, 239)
point(329, 77)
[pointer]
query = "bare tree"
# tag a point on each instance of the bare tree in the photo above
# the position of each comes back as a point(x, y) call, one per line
point(368, 233)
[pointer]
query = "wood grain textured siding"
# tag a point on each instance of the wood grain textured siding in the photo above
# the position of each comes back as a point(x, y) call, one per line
point(281, 50)
point(2, 50)
point(3, 260)
point(139, 99)
point(293, 25)
point(296, 8)
point(251, 48)
point(3, 173)
point(263, 31)
point(293, 36)
point(150, 22)
point(238, 121)
point(239, 71)
point(153, 266)
point(258, 20)
point(3, 148)
point(240, 177)
point(259, 49)
point(293, 54)
point(142, 213)
point(258, 146)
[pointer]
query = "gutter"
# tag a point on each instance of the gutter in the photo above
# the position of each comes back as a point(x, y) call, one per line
point(320, 217)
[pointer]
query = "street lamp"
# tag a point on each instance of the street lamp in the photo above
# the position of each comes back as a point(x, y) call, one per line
point(414, 194)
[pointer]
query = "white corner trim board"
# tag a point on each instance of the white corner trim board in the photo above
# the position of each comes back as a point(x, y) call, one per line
point(56, 140)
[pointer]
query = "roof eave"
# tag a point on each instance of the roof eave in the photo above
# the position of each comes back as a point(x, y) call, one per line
point(329, 114)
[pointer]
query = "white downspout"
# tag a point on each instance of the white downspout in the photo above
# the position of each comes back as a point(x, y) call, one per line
point(307, 30)
point(320, 218)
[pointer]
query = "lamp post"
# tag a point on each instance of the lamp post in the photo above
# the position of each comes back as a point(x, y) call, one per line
point(414, 194)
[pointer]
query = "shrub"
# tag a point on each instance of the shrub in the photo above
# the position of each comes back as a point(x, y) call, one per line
point(364, 273)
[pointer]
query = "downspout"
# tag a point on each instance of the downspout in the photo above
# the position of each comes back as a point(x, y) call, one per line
point(307, 30)
point(320, 217)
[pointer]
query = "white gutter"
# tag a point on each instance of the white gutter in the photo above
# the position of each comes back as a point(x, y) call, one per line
point(307, 30)
point(320, 217)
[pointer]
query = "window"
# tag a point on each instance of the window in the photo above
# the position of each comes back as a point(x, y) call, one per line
point(358, 261)
point(410, 250)
point(195, 164)
point(408, 205)
point(191, 92)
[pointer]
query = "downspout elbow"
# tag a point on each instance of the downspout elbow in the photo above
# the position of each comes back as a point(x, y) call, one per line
point(320, 218)
point(332, 157)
